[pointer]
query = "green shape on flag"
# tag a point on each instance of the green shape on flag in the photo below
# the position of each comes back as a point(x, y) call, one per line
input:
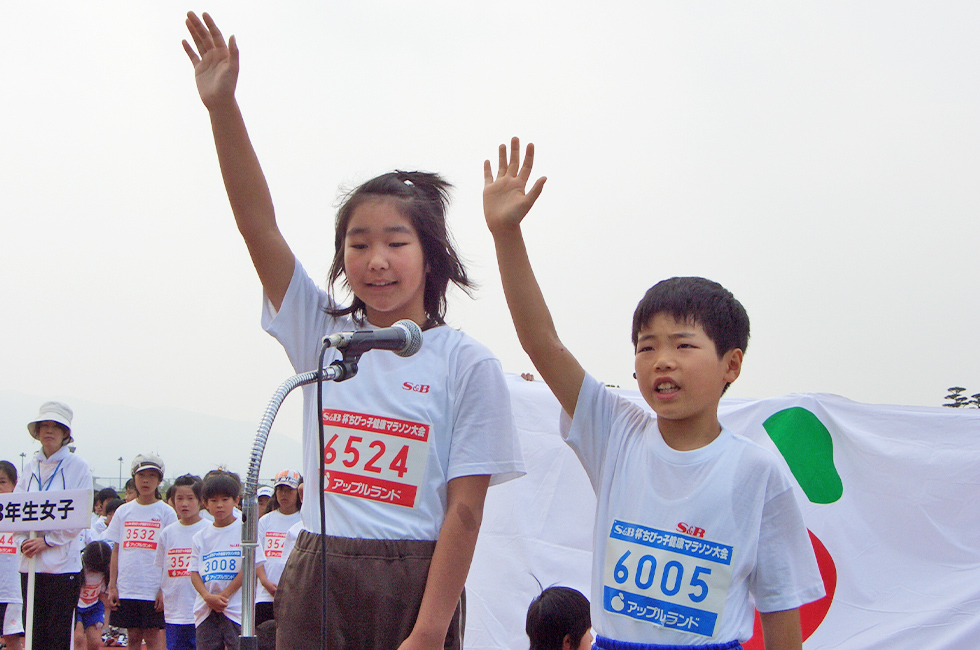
point(805, 443)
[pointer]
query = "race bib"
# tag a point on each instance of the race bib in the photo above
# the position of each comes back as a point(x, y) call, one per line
point(90, 593)
point(141, 534)
point(375, 458)
point(274, 543)
point(221, 565)
point(178, 562)
point(7, 545)
point(666, 579)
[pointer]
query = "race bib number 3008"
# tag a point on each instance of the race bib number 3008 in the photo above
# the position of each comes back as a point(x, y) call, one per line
point(375, 458)
point(666, 579)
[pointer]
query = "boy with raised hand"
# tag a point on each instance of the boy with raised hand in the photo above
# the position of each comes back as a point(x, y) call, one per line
point(694, 524)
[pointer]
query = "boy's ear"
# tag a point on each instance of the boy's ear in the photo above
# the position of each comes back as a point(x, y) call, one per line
point(733, 363)
point(566, 643)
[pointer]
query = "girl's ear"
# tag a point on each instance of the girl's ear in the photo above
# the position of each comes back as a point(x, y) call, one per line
point(566, 643)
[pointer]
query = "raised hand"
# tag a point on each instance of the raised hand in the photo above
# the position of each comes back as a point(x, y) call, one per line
point(505, 198)
point(216, 69)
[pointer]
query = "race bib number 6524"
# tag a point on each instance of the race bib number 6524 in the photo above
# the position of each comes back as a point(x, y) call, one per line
point(375, 458)
point(665, 578)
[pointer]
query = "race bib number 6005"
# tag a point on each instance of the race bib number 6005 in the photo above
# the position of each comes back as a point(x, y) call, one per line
point(375, 458)
point(665, 578)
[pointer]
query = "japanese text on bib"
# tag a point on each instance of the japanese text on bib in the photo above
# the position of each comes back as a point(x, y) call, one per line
point(376, 458)
point(665, 578)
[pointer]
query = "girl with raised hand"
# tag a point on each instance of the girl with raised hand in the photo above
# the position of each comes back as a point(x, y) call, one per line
point(411, 445)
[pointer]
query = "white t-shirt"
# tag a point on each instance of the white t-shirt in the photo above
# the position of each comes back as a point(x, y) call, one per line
point(216, 556)
point(94, 586)
point(273, 528)
point(137, 528)
point(173, 560)
point(686, 542)
point(401, 429)
point(9, 573)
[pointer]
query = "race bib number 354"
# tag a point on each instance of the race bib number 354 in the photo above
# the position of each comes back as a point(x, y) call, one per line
point(665, 578)
point(375, 458)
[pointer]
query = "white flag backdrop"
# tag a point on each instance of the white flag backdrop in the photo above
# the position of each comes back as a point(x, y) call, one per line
point(891, 493)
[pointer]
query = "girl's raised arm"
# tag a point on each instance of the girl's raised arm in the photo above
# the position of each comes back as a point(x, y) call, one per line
point(505, 204)
point(216, 73)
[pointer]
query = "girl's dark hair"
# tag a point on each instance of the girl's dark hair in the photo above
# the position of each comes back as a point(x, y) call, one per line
point(96, 557)
point(556, 613)
point(191, 481)
point(274, 501)
point(105, 494)
point(423, 198)
point(8, 468)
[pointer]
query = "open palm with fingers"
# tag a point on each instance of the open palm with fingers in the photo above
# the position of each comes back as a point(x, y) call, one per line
point(505, 198)
point(215, 63)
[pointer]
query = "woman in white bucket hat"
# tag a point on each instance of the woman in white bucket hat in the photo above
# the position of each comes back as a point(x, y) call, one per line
point(57, 553)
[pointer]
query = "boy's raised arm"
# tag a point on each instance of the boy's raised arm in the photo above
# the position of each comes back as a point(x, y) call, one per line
point(216, 74)
point(505, 204)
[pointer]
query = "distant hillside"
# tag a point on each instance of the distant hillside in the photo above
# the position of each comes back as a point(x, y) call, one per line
point(187, 442)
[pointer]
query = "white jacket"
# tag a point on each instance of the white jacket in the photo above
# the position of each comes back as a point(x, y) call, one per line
point(62, 471)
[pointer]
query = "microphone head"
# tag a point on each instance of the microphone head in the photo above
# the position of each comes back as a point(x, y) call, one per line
point(413, 337)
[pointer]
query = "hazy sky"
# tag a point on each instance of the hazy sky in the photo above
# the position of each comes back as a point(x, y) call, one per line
point(818, 159)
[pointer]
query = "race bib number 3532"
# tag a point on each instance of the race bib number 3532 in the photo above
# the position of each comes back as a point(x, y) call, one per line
point(375, 458)
point(665, 578)
point(141, 534)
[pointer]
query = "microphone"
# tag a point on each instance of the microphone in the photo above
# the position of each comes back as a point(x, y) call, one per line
point(404, 338)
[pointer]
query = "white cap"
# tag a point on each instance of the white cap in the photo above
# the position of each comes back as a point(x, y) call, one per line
point(288, 477)
point(148, 461)
point(264, 491)
point(53, 412)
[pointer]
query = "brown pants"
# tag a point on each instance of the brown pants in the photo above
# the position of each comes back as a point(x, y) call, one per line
point(374, 591)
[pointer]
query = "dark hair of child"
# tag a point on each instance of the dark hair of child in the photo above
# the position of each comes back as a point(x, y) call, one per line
point(274, 502)
point(558, 612)
point(96, 557)
point(700, 301)
point(106, 494)
point(221, 484)
point(111, 506)
point(191, 481)
point(9, 470)
point(423, 198)
point(131, 484)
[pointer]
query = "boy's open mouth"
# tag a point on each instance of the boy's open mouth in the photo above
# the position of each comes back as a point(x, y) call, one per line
point(666, 386)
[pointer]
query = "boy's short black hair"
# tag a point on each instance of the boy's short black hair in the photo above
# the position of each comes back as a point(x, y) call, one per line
point(701, 301)
point(556, 613)
point(191, 481)
point(111, 506)
point(221, 484)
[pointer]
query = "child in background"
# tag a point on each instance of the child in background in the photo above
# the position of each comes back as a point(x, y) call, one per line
point(96, 559)
point(174, 559)
point(216, 567)
point(110, 508)
point(558, 619)
point(281, 515)
point(694, 524)
point(263, 495)
point(131, 492)
point(135, 530)
point(10, 597)
point(423, 506)
point(102, 497)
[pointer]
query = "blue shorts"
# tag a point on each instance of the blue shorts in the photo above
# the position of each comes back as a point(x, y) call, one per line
point(602, 643)
point(181, 637)
point(91, 615)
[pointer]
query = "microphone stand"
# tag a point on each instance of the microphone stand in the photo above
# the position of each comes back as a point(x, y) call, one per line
point(337, 371)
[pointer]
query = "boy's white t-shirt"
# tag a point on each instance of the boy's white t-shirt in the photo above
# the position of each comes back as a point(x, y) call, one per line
point(273, 529)
point(398, 431)
point(9, 571)
point(136, 529)
point(173, 561)
point(216, 555)
point(686, 543)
